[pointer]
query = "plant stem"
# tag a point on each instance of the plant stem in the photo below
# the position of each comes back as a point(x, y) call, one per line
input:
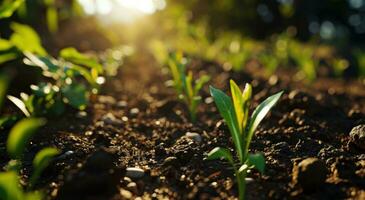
point(241, 184)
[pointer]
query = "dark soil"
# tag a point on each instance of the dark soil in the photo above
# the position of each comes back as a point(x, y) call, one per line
point(138, 122)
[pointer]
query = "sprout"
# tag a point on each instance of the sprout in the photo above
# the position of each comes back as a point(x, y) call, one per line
point(186, 89)
point(235, 112)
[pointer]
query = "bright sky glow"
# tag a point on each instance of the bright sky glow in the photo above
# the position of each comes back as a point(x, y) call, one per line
point(122, 10)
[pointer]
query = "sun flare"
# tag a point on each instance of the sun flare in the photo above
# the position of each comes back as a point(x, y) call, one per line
point(122, 10)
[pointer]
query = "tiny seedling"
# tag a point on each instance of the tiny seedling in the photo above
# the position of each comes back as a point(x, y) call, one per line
point(19, 136)
point(186, 89)
point(235, 112)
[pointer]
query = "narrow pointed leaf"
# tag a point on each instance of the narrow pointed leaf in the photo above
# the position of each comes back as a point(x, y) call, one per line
point(218, 153)
point(20, 104)
point(258, 115)
point(225, 107)
point(237, 103)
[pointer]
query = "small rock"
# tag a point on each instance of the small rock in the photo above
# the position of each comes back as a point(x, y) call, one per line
point(132, 186)
point(106, 99)
point(134, 172)
point(310, 174)
point(126, 194)
point(134, 111)
point(81, 114)
point(122, 104)
point(170, 161)
point(194, 136)
point(109, 118)
point(357, 136)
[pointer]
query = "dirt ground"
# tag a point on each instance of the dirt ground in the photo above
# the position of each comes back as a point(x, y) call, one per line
point(138, 122)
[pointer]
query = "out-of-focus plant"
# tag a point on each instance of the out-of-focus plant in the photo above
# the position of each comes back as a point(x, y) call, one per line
point(186, 88)
point(23, 39)
point(269, 61)
point(19, 136)
point(8, 7)
point(66, 89)
point(339, 65)
point(235, 112)
point(360, 58)
point(303, 57)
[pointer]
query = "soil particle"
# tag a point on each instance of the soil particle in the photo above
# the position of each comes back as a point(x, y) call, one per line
point(194, 136)
point(310, 174)
point(357, 136)
point(134, 172)
point(109, 118)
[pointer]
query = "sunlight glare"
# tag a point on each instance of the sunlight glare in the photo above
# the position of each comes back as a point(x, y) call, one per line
point(122, 10)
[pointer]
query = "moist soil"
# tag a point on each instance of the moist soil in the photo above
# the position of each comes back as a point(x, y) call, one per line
point(137, 121)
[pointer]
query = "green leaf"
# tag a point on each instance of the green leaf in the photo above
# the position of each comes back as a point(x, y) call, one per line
point(237, 103)
point(52, 18)
point(72, 55)
point(75, 95)
point(200, 83)
point(5, 45)
point(7, 8)
point(218, 153)
point(26, 39)
point(47, 64)
point(20, 135)
point(257, 161)
point(258, 115)
point(4, 82)
point(20, 104)
point(41, 161)
point(8, 56)
point(225, 107)
point(9, 186)
point(246, 97)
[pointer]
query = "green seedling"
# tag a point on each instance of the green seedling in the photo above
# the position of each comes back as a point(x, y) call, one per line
point(19, 136)
point(186, 89)
point(235, 112)
point(66, 88)
point(270, 62)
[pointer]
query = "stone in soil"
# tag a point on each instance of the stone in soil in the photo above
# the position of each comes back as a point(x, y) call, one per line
point(134, 172)
point(310, 174)
point(357, 136)
point(194, 136)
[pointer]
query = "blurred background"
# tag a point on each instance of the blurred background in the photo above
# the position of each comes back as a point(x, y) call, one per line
point(315, 38)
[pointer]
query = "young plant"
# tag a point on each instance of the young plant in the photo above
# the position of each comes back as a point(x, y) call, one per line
point(186, 89)
point(67, 87)
point(19, 136)
point(235, 112)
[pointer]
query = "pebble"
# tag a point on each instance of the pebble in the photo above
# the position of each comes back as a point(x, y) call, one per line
point(126, 194)
point(107, 100)
point(122, 104)
point(357, 136)
point(81, 114)
point(170, 161)
point(134, 172)
point(310, 174)
point(132, 186)
point(109, 118)
point(134, 111)
point(194, 136)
